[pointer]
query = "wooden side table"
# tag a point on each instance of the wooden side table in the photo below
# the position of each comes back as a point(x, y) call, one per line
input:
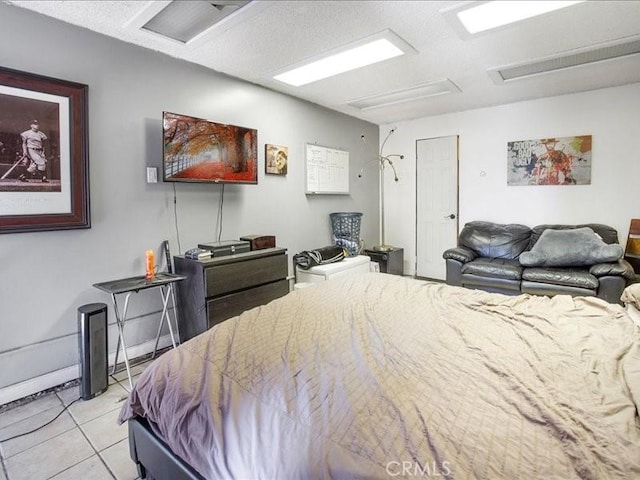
point(391, 261)
point(632, 250)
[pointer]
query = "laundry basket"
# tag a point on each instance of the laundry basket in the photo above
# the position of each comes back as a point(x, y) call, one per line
point(346, 231)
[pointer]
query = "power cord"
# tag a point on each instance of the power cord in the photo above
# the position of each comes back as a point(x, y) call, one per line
point(41, 426)
point(175, 216)
point(219, 219)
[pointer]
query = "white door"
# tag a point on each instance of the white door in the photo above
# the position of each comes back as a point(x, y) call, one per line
point(436, 203)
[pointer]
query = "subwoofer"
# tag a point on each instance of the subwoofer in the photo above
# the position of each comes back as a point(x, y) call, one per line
point(92, 347)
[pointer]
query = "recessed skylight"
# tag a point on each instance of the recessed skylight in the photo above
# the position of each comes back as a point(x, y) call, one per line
point(366, 52)
point(498, 13)
point(184, 20)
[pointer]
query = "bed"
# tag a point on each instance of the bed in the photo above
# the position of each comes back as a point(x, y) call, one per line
point(381, 376)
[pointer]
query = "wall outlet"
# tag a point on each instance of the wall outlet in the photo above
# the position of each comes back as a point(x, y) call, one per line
point(152, 175)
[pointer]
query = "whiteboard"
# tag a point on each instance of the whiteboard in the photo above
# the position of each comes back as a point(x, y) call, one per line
point(327, 170)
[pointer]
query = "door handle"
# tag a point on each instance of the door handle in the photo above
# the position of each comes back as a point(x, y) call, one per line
point(451, 216)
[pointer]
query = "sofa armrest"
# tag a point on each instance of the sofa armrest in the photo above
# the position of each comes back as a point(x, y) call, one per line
point(454, 272)
point(621, 268)
point(461, 254)
point(611, 288)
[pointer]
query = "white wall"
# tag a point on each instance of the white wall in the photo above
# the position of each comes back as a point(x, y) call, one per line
point(611, 116)
point(46, 276)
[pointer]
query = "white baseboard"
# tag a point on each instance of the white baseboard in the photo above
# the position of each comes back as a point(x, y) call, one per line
point(58, 377)
point(38, 384)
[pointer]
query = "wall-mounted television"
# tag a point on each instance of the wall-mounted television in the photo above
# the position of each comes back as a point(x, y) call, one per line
point(198, 150)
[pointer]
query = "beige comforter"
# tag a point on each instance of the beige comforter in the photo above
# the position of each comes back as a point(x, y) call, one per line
point(379, 376)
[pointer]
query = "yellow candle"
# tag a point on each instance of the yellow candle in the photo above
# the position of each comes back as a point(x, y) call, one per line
point(151, 264)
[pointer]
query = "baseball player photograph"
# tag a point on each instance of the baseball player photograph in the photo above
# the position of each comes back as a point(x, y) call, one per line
point(33, 153)
point(29, 132)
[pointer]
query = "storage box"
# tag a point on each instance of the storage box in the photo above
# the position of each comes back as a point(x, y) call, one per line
point(260, 242)
point(225, 247)
point(347, 266)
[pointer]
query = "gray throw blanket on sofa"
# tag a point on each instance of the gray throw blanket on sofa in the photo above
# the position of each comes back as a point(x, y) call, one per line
point(570, 248)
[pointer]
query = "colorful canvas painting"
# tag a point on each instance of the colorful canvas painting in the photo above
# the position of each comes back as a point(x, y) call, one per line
point(550, 161)
point(198, 150)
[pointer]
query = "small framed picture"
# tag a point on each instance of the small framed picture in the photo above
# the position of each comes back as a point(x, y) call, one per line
point(276, 159)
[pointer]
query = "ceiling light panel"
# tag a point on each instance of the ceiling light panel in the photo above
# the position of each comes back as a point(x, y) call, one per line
point(365, 52)
point(424, 90)
point(498, 13)
point(470, 19)
point(182, 20)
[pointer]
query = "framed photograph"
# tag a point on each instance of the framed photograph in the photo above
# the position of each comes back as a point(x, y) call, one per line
point(276, 159)
point(44, 167)
point(550, 161)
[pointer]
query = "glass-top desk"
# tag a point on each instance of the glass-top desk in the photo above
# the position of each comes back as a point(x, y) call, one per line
point(127, 286)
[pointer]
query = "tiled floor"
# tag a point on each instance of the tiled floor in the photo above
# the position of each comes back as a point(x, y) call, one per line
point(85, 442)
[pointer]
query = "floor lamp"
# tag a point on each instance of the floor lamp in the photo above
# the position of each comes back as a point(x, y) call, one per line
point(384, 160)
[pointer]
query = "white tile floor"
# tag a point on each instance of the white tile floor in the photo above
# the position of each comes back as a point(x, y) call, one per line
point(85, 442)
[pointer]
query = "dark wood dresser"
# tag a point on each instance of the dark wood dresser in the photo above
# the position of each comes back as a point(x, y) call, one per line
point(223, 287)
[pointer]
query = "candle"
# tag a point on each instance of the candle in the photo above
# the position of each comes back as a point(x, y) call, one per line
point(151, 265)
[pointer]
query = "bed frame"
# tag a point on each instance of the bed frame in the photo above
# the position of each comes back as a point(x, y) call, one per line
point(153, 457)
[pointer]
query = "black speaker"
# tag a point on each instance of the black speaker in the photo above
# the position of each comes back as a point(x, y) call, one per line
point(92, 347)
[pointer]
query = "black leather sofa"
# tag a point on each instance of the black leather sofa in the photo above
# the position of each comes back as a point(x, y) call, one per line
point(488, 257)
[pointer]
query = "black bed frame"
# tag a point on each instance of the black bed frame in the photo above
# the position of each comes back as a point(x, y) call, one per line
point(154, 458)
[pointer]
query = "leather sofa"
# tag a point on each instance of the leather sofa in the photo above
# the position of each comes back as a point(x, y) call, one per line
point(489, 257)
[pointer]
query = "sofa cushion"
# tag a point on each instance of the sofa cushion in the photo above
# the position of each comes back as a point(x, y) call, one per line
point(550, 290)
point(494, 267)
point(495, 240)
point(570, 248)
point(561, 276)
point(490, 284)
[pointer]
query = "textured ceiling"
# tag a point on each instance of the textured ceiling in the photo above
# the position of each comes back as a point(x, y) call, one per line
point(267, 36)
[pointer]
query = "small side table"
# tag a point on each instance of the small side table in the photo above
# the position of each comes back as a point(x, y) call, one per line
point(391, 261)
point(127, 286)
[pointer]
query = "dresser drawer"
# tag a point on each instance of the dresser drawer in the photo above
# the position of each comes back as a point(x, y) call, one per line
point(222, 279)
point(228, 306)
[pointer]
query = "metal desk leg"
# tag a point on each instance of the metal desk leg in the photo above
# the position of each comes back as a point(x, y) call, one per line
point(120, 324)
point(175, 313)
point(165, 314)
point(165, 300)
